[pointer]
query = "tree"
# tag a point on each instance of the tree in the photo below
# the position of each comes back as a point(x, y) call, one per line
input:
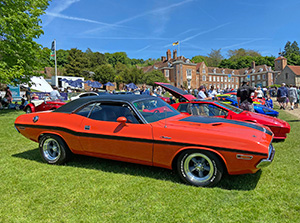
point(291, 53)
point(199, 59)
point(104, 73)
point(153, 76)
point(95, 59)
point(78, 63)
point(236, 54)
point(19, 26)
point(214, 58)
point(118, 57)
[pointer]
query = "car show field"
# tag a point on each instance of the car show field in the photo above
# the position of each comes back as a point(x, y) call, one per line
point(98, 190)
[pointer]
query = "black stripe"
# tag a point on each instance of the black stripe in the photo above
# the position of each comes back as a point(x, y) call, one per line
point(211, 120)
point(152, 141)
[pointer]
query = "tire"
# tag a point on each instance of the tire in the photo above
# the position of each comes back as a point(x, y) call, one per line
point(199, 168)
point(54, 150)
point(28, 110)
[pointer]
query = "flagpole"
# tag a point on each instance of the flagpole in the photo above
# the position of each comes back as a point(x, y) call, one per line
point(55, 63)
point(178, 49)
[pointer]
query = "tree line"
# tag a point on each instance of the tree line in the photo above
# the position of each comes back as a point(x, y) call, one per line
point(21, 57)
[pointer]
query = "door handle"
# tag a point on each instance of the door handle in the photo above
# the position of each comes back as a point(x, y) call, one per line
point(166, 137)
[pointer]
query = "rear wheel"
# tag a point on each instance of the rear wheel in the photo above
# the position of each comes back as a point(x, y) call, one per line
point(199, 168)
point(54, 150)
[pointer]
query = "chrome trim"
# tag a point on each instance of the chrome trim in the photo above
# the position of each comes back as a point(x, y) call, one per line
point(268, 161)
point(244, 157)
point(17, 129)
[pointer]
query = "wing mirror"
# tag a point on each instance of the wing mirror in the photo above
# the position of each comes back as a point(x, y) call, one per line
point(122, 120)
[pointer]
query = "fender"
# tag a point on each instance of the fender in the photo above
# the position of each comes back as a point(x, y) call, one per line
point(32, 107)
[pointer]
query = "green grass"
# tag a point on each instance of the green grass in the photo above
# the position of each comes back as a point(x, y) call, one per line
point(97, 190)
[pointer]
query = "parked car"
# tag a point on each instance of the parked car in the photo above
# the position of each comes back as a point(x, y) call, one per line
point(146, 130)
point(84, 94)
point(43, 105)
point(279, 127)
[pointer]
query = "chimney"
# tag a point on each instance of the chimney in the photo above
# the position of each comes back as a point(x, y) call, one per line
point(174, 54)
point(163, 58)
point(168, 55)
point(253, 65)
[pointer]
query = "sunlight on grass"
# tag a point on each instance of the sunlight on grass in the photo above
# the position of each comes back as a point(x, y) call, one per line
point(96, 190)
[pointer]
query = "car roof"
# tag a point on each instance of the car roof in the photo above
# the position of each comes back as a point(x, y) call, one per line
point(73, 105)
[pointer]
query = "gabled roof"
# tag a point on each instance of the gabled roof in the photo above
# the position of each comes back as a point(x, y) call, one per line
point(295, 69)
point(280, 58)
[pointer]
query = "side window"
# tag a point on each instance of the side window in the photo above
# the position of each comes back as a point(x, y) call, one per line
point(109, 112)
point(86, 110)
point(216, 111)
point(183, 107)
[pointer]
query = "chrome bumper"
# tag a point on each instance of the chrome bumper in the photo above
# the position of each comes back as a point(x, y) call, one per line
point(268, 161)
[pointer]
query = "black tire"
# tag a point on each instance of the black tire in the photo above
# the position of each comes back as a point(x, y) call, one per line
point(199, 168)
point(54, 150)
point(28, 110)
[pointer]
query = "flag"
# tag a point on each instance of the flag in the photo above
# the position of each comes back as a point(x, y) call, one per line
point(176, 43)
point(52, 54)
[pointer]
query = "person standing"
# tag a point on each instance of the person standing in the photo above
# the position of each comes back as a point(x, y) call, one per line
point(292, 93)
point(282, 94)
point(8, 95)
point(259, 93)
point(145, 90)
point(54, 95)
point(27, 94)
point(244, 96)
point(212, 92)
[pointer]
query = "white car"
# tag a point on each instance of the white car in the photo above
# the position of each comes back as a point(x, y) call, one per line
point(84, 94)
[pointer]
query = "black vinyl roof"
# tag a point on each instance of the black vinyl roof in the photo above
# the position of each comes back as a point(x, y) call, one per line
point(73, 105)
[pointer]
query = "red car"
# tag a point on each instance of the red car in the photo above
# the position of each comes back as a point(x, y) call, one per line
point(43, 105)
point(146, 130)
point(279, 127)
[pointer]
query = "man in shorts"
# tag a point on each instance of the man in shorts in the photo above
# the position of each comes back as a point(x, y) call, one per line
point(282, 94)
point(244, 96)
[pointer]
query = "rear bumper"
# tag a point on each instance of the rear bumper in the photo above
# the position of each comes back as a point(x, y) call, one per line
point(268, 161)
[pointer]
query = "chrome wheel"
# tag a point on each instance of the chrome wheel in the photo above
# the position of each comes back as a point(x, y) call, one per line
point(51, 150)
point(198, 167)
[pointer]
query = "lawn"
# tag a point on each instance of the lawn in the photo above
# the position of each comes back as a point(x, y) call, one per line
point(97, 190)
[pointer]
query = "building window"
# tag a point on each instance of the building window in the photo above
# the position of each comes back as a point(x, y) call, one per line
point(236, 86)
point(225, 79)
point(236, 80)
point(229, 85)
point(286, 76)
point(253, 84)
point(223, 71)
point(209, 78)
point(221, 86)
point(242, 79)
point(225, 86)
point(188, 74)
point(253, 78)
point(264, 83)
point(214, 78)
point(203, 78)
point(264, 77)
point(218, 79)
point(258, 77)
point(167, 73)
point(189, 84)
point(203, 71)
point(214, 70)
point(221, 79)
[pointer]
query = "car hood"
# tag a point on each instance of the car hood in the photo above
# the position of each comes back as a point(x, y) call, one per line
point(177, 92)
point(266, 119)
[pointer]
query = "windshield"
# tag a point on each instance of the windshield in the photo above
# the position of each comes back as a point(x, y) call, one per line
point(230, 107)
point(155, 109)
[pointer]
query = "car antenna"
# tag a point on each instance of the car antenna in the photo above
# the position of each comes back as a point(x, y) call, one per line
point(165, 117)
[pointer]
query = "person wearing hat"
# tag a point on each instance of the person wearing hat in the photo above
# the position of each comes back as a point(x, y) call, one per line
point(244, 96)
point(282, 94)
point(201, 94)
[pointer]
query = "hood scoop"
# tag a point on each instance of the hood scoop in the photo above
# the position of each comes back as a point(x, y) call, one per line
point(217, 124)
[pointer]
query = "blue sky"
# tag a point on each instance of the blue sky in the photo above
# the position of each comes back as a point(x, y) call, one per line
point(147, 28)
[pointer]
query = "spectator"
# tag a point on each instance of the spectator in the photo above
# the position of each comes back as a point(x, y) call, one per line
point(244, 96)
point(201, 94)
point(8, 95)
point(212, 92)
point(54, 95)
point(269, 102)
point(282, 94)
point(292, 93)
point(145, 90)
point(27, 94)
point(259, 93)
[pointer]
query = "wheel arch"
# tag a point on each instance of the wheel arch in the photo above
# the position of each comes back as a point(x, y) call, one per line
point(53, 133)
point(31, 106)
point(185, 149)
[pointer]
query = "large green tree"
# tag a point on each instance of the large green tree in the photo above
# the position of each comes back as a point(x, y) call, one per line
point(118, 57)
point(104, 73)
point(153, 76)
point(236, 54)
point(19, 27)
point(77, 63)
point(214, 58)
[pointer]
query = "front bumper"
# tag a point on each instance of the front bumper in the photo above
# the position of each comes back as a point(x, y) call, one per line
point(268, 161)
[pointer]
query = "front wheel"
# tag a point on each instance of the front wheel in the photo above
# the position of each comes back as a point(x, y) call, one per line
point(199, 168)
point(28, 110)
point(54, 150)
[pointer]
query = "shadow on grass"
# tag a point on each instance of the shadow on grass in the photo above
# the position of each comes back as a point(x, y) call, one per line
point(8, 111)
point(228, 182)
point(296, 120)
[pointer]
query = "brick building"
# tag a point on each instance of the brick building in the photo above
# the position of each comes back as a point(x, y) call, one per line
point(286, 73)
point(180, 71)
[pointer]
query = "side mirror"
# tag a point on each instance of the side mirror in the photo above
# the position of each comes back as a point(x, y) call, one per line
point(122, 120)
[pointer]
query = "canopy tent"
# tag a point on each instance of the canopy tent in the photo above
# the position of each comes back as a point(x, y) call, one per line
point(95, 84)
point(109, 84)
point(131, 86)
point(39, 84)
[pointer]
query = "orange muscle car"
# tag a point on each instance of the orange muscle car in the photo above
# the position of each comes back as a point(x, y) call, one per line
point(146, 130)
